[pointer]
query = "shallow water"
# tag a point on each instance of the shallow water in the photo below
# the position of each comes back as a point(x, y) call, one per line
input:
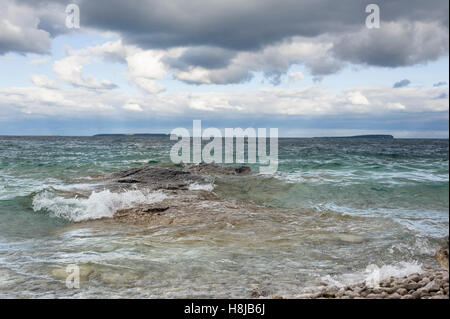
point(334, 207)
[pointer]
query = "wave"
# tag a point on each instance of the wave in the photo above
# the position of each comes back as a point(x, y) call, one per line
point(98, 205)
point(203, 187)
point(375, 273)
point(351, 177)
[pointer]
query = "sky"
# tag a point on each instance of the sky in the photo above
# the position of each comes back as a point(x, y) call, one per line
point(308, 68)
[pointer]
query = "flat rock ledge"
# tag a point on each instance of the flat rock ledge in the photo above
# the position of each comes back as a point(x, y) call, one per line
point(173, 178)
point(212, 168)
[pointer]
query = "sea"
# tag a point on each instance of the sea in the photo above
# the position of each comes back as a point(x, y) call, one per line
point(336, 211)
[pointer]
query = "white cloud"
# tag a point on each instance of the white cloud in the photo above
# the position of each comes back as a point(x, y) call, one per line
point(294, 77)
point(70, 69)
point(19, 30)
point(357, 98)
point(239, 104)
point(144, 66)
point(43, 81)
point(132, 107)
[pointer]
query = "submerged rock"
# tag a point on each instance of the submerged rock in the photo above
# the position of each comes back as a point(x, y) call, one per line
point(117, 278)
point(349, 238)
point(62, 274)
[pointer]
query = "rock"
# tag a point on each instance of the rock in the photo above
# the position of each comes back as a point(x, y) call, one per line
point(256, 293)
point(424, 281)
point(118, 278)
point(377, 290)
point(357, 289)
point(402, 291)
point(340, 293)
point(157, 177)
point(349, 238)
point(363, 293)
point(389, 290)
point(211, 168)
point(412, 286)
point(432, 286)
point(351, 294)
point(442, 255)
point(62, 273)
point(423, 291)
point(416, 295)
point(414, 277)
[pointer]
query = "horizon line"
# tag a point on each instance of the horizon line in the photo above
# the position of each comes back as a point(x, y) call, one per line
point(167, 134)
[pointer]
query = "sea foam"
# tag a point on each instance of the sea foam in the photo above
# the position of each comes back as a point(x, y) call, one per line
point(204, 187)
point(97, 205)
point(383, 272)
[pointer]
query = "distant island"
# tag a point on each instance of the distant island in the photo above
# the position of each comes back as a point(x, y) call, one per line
point(137, 134)
point(363, 136)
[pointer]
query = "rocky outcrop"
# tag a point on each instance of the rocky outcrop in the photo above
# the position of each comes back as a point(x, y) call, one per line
point(174, 178)
point(211, 168)
point(157, 177)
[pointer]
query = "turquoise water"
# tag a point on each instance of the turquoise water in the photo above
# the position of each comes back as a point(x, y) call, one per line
point(334, 207)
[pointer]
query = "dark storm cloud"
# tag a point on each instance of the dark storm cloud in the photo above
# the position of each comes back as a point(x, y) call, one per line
point(243, 25)
point(401, 84)
point(206, 57)
point(412, 31)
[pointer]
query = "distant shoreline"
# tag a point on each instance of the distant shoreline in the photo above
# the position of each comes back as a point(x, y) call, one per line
point(382, 136)
point(137, 134)
point(281, 137)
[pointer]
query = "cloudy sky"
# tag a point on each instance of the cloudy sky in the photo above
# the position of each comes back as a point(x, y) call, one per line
point(307, 67)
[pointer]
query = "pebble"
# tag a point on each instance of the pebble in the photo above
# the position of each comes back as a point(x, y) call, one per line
point(429, 285)
point(432, 284)
point(402, 291)
point(414, 277)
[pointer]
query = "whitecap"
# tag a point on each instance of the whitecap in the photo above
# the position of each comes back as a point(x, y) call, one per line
point(98, 205)
point(204, 187)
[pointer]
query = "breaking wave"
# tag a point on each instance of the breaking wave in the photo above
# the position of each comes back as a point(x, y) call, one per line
point(97, 205)
point(375, 272)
